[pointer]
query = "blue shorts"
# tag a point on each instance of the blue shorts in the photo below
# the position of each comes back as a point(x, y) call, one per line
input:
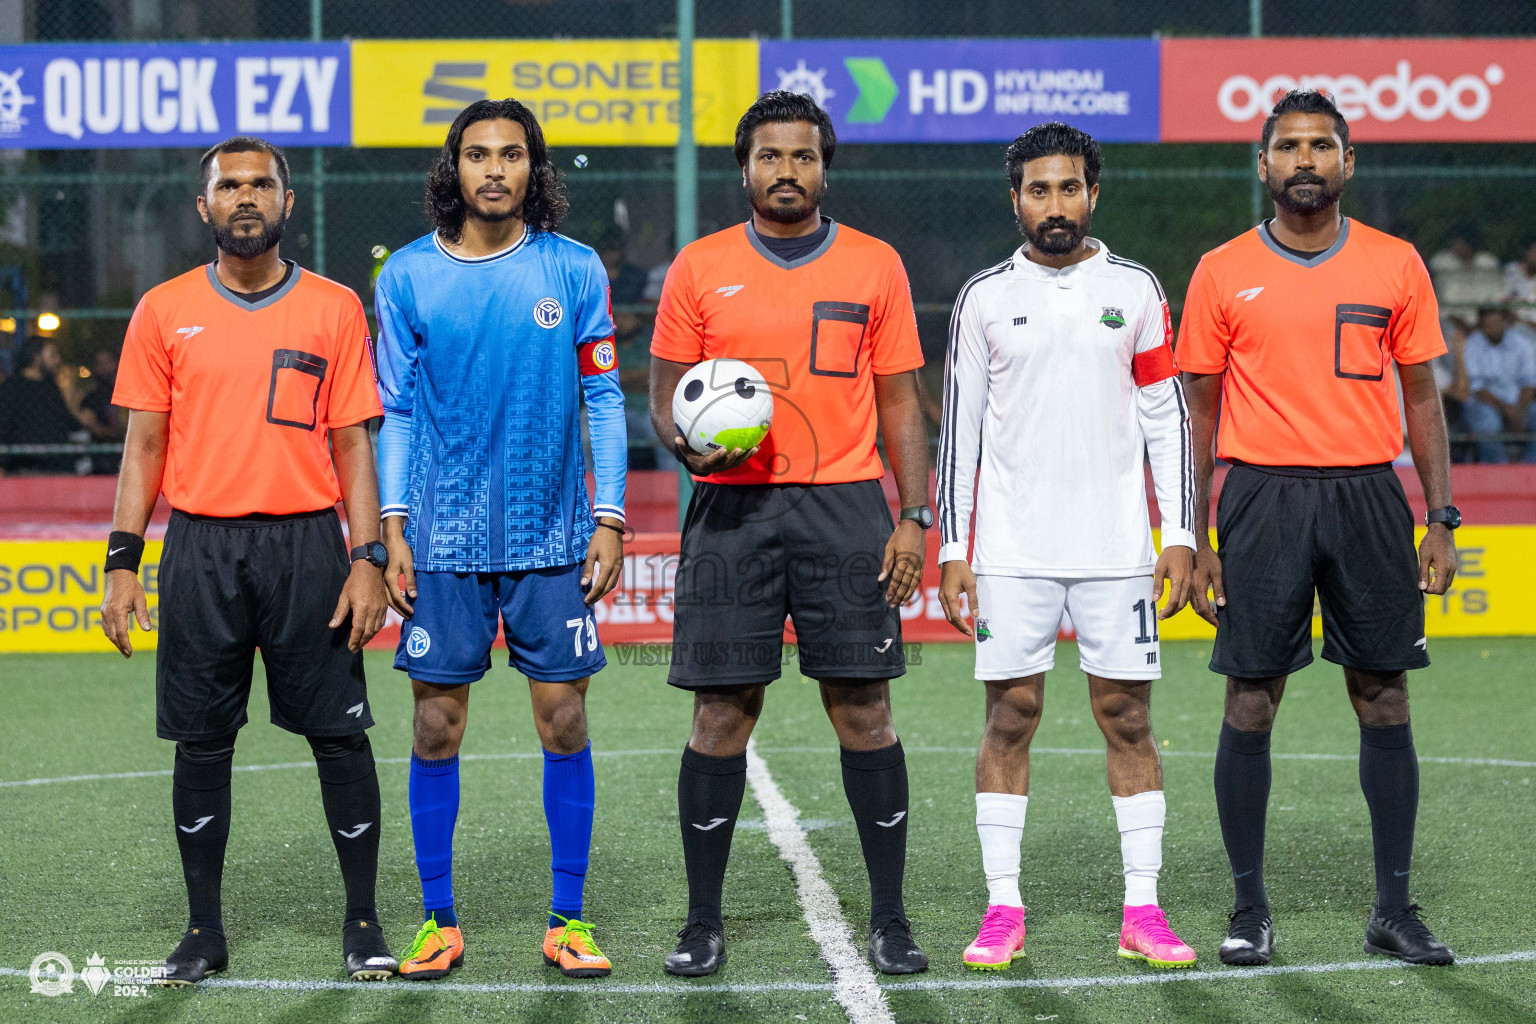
point(551, 635)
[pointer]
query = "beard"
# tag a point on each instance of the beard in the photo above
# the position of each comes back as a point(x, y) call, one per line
point(1054, 245)
point(763, 203)
point(1326, 195)
point(247, 247)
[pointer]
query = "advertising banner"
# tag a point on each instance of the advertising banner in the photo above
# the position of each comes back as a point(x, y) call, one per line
point(1390, 90)
point(50, 596)
point(585, 92)
point(142, 95)
point(971, 90)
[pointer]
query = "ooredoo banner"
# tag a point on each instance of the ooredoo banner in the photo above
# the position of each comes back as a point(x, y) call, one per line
point(1390, 90)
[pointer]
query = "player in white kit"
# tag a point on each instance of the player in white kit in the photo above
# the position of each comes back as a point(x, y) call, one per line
point(1060, 383)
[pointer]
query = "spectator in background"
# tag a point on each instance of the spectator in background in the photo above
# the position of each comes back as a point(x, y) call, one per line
point(1465, 279)
point(1520, 285)
point(1500, 382)
point(105, 421)
point(33, 410)
point(1450, 372)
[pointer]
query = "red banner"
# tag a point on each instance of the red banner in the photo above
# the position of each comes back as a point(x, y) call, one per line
point(1390, 90)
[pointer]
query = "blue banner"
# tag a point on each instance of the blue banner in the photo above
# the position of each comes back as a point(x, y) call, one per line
point(959, 90)
point(114, 96)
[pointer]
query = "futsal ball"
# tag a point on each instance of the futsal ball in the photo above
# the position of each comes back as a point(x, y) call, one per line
point(581, 160)
point(722, 403)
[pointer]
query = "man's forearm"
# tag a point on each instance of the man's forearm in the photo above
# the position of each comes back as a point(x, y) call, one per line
point(906, 441)
point(1427, 440)
point(143, 469)
point(1203, 393)
point(352, 454)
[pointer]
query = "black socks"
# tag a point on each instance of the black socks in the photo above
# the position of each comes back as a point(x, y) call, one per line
point(200, 803)
point(1389, 777)
point(875, 782)
point(1242, 798)
point(709, 792)
point(349, 788)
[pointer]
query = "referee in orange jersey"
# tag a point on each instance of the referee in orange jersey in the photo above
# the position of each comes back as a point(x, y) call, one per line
point(250, 387)
point(1290, 337)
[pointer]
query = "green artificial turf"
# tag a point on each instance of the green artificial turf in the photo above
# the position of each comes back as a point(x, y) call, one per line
point(90, 866)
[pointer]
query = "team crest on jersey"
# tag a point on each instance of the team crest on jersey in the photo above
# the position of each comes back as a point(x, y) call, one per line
point(982, 632)
point(418, 643)
point(1113, 318)
point(603, 356)
point(548, 313)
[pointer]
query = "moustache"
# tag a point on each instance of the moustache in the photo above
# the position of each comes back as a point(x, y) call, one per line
point(1056, 222)
point(786, 185)
point(1305, 178)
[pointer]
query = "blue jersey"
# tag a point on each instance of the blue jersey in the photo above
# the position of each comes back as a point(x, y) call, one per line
point(483, 365)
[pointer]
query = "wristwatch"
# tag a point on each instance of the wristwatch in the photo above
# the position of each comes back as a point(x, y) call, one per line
point(922, 515)
point(375, 552)
point(1450, 516)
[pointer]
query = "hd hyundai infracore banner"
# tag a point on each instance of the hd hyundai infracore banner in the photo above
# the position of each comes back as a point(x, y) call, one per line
point(605, 92)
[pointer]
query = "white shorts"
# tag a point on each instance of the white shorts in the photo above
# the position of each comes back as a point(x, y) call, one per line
point(1115, 621)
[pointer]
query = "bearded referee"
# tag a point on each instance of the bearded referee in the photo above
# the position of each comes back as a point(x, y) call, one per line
point(798, 526)
point(1291, 336)
point(250, 388)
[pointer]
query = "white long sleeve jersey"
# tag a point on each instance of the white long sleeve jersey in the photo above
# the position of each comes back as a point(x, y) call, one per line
point(1058, 385)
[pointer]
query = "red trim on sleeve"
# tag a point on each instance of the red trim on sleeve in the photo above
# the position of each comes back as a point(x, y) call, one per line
point(597, 357)
point(1153, 365)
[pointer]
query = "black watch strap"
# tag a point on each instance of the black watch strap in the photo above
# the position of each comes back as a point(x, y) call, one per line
point(374, 552)
point(1450, 515)
point(922, 515)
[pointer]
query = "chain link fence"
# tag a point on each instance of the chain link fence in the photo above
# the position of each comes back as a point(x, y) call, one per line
point(84, 233)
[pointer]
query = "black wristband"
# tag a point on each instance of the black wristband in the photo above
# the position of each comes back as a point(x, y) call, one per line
point(124, 551)
point(616, 529)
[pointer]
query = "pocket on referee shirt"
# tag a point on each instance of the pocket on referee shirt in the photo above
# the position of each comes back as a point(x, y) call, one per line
point(293, 396)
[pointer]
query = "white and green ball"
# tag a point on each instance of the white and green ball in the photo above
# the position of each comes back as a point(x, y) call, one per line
point(722, 403)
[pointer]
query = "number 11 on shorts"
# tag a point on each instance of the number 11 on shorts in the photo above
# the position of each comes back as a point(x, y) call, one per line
point(1146, 612)
point(575, 626)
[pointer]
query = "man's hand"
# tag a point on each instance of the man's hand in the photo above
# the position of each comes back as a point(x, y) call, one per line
point(1207, 577)
point(1437, 560)
point(956, 578)
point(605, 560)
point(400, 573)
point(366, 598)
point(124, 599)
point(717, 461)
point(903, 564)
point(1177, 566)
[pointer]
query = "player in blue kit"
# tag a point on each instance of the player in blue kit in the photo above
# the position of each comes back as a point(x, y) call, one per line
point(492, 330)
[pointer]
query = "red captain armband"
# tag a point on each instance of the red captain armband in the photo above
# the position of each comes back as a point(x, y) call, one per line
point(597, 357)
point(1153, 365)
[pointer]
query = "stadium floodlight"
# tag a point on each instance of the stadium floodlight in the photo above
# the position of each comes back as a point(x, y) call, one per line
point(48, 322)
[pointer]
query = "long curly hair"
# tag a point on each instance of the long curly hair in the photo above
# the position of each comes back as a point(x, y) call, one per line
point(545, 204)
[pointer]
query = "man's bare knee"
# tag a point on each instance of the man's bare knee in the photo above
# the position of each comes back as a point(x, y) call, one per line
point(1123, 718)
point(438, 723)
point(723, 720)
point(1252, 703)
point(1379, 699)
point(860, 712)
point(1013, 713)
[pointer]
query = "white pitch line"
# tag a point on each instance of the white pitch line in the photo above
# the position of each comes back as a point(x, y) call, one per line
point(1496, 762)
point(602, 988)
point(853, 983)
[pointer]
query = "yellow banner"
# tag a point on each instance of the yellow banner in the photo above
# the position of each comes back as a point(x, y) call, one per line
point(50, 593)
point(585, 92)
point(1491, 595)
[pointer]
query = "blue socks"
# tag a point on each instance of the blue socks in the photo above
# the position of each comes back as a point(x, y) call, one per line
point(434, 799)
point(569, 795)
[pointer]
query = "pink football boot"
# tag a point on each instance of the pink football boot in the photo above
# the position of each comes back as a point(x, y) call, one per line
point(1145, 935)
point(1000, 940)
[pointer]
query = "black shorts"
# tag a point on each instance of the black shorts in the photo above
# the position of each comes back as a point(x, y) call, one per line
point(754, 553)
point(229, 586)
point(1346, 533)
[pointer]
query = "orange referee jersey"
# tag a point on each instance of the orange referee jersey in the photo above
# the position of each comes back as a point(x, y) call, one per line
point(818, 329)
point(252, 389)
point(1308, 346)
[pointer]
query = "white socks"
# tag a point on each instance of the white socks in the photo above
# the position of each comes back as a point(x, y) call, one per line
point(1140, 819)
point(1000, 824)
